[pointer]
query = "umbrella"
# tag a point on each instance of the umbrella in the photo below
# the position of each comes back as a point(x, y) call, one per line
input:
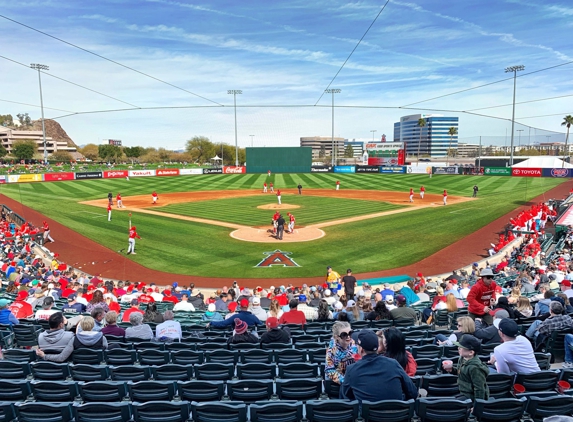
point(455, 277)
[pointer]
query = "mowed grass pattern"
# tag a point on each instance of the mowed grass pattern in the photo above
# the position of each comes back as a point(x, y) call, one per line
point(184, 247)
point(313, 209)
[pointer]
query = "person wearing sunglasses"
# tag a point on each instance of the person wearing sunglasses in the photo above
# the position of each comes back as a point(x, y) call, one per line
point(480, 295)
point(340, 352)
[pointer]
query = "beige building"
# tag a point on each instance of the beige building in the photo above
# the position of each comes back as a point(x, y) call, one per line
point(317, 142)
point(9, 136)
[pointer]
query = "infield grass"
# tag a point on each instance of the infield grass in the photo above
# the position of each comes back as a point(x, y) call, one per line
point(185, 247)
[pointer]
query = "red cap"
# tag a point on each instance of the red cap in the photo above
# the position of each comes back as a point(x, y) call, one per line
point(244, 303)
point(272, 322)
point(232, 306)
point(23, 295)
point(566, 283)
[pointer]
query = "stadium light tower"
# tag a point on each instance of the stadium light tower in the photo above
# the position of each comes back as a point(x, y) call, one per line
point(373, 132)
point(513, 69)
point(333, 91)
point(39, 68)
point(234, 92)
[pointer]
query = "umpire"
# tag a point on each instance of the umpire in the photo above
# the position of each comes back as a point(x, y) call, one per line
point(280, 227)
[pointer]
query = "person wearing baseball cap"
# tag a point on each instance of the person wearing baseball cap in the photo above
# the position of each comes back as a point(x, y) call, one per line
point(402, 311)
point(566, 288)
point(7, 317)
point(349, 283)
point(275, 333)
point(480, 295)
point(310, 313)
point(490, 334)
point(243, 315)
point(515, 354)
point(20, 308)
point(375, 377)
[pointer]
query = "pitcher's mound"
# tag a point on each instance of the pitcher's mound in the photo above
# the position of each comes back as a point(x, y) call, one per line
point(261, 235)
point(277, 207)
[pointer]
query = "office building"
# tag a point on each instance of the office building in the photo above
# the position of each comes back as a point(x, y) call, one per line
point(322, 146)
point(434, 140)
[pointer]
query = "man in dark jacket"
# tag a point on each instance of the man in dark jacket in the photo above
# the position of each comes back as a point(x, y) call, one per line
point(56, 338)
point(275, 334)
point(490, 334)
point(243, 315)
point(375, 377)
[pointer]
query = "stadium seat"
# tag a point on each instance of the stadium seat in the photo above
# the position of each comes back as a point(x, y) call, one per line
point(250, 391)
point(331, 410)
point(14, 370)
point(487, 349)
point(303, 338)
point(404, 322)
point(20, 355)
point(154, 357)
point(290, 355)
point(276, 346)
point(145, 391)
point(45, 412)
point(201, 391)
point(179, 346)
point(7, 412)
point(500, 385)
point(331, 389)
point(317, 355)
point(450, 352)
point(147, 345)
point(543, 360)
point(360, 325)
point(540, 408)
point(299, 389)
point(214, 371)
point(502, 410)
point(538, 381)
point(219, 411)
point(103, 391)
point(444, 385)
point(381, 324)
point(256, 356)
point(155, 411)
point(130, 373)
point(45, 370)
point(102, 412)
point(15, 390)
point(87, 356)
point(172, 372)
point(26, 335)
point(120, 356)
point(89, 372)
point(388, 410)
point(212, 346)
point(429, 351)
point(306, 345)
point(279, 411)
point(298, 370)
point(54, 391)
point(256, 371)
point(187, 357)
point(222, 356)
point(427, 366)
point(443, 410)
point(114, 339)
point(244, 346)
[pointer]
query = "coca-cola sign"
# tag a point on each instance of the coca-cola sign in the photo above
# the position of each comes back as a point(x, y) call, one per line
point(115, 174)
point(234, 169)
point(526, 172)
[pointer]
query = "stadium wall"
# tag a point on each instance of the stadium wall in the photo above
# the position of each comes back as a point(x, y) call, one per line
point(279, 160)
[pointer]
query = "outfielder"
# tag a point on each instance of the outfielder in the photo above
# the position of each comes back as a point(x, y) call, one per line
point(422, 191)
point(338, 185)
point(154, 197)
point(119, 201)
point(445, 195)
point(291, 222)
point(132, 235)
point(411, 195)
point(279, 196)
point(108, 212)
point(47, 236)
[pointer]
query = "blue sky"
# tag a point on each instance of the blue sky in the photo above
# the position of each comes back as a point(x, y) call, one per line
point(282, 55)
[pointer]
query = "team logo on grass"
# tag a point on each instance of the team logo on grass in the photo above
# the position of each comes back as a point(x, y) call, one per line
point(278, 258)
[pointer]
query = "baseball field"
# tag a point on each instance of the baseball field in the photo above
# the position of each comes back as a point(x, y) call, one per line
point(216, 225)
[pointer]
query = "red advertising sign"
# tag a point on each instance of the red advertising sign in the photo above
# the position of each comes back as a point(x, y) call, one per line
point(54, 177)
point(383, 161)
point(234, 170)
point(114, 174)
point(526, 172)
point(168, 172)
point(401, 157)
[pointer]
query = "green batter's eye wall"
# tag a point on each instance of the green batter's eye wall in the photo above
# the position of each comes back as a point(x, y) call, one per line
point(279, 160)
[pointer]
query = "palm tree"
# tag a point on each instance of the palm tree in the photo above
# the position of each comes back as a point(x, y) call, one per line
point(421, 124)
point(453, 131)
point(567, 121)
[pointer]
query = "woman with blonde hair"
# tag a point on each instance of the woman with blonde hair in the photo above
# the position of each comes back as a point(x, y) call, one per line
point(451, 303)
point(274, 310)
point(524, 307)
point(340, 352)
point(439, 302)
point(466, 325)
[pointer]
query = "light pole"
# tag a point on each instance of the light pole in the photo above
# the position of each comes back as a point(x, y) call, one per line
point(513, 69)
point(235, 92)
point(373, 131)
point(333, 91)
point(39, 68)
point(252, 136)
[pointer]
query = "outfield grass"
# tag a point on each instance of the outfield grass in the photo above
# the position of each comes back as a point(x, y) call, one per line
point(191, 248)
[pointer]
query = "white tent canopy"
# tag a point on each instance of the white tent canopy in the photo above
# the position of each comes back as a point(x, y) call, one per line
point(544, 162)
point(216, 158)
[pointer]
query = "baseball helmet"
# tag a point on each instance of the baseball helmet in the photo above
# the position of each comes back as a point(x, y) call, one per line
point(132, 227)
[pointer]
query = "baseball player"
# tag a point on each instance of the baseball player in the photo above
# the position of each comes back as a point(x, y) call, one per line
point(271, 186)
point(279, 196)
point(275, 219)
point(411, 195)
point(108, 212)
point(445, 195)
point(265, 187)
point(132, 235)
point(47, 236)
point(291, 222)
point(338, 185)
point(119, 201)
point(154, 197)
point(269, 173)
point(110, 198)
point(422, 191)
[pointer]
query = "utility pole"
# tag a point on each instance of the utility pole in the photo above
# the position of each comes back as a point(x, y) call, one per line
point(234, 92)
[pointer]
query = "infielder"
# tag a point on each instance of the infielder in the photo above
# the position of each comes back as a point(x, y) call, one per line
point(291, 222)
point(275, 219)
point(119, 201)
point(411, 195)
point(445, 195)
point(271, 186)
point(265, 187)
point(108, 212)
point(422, 191)
point(338, 185)
point(47, 236)
point(132, 235)
point(154, 197)
point(279, 196)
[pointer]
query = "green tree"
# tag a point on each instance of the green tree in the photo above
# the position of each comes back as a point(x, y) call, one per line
point(24, 149)
point(133, 152)
point(567, 121)
point(61, 156)
point(3, 151)
point(453, 131)
point(24, 119)
point(421, 124)
point(348, 151)
point(150, 156)
point(90, 151)
point(6, 120)
point(163, 154)
point(201, 149)
point(110, 152)
point(322, 152)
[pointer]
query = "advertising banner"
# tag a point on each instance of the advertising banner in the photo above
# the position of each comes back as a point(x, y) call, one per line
point(367, 169)
point(559, 172)
point(213, 171)
point(234, 170)
point(497, 171)
point(526, 172)
point(116, 174)
point(419, 169)
point(383, 161)
point(2, 179)
point(24, 178)
point(54, 177)
point(185, 172)
point(445, 170)
point(345, 169)
point(89, 175)
point(395, 169)
point(168, 172)
point(321, 169)
point(141, 173)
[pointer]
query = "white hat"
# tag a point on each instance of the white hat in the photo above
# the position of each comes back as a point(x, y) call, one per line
point(338, 306)
point(350, 304)
point(211, 307)
point(327, 292)
point(256, 301)
point(361, 293)
point(389, 299)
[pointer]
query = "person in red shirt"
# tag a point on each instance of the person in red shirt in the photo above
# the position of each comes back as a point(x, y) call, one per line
point(119, 201)
point(445, 195)
point(108, 212)
point(480, 296)
point(20, 308)
point(134, 308)
point(265, 187)
point(168, 297)
point(422, 191)
point(291, 222)
point(279, 196)
point(145, 298)
point(113, 305)
point(154, 198)
point(46, 229)
point(271, 186)
point(411, 195)
point(294, 316)
point(132, 235)
point(338, 185)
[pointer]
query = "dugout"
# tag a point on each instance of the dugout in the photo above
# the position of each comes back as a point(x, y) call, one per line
point(279, 160)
